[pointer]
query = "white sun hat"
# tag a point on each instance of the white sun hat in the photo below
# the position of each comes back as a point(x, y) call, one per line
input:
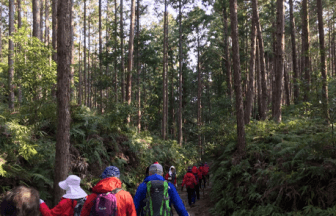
point(72, 187)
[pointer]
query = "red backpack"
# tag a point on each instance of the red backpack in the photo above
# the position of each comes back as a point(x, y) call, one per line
point(206, 169)
point(189, 182)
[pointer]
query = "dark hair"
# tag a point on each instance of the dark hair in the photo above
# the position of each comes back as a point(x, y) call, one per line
point(21, 201)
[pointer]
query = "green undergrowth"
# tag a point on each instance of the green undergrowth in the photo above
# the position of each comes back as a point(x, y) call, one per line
point(28, 138)
point(288, 169)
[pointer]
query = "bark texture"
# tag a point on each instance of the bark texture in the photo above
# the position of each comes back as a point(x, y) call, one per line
point(241, 143)
point(295, 66)
point(63, 96)
point(10, 56)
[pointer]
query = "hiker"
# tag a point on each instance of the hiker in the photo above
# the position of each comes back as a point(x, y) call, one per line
point(171, 176)
point(68, 205)
point(108, 198)
point(206, 169)
point(190, 182)
point(21, 201)
point(200, 175)
point(144, 197)
point(195, 172)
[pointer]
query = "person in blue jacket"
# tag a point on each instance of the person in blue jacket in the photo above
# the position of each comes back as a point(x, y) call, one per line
point(156, 173)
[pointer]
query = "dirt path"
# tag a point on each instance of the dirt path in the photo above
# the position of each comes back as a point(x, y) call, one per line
point(201, 207)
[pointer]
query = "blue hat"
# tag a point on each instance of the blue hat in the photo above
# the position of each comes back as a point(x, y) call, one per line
point(110, 171)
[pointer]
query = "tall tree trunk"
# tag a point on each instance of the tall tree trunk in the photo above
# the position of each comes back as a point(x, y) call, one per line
point(322, 64)
point(279, 60)
point(295, 68)
point(138, 66)
point(241, 143)
point(122, 52)
point(258, 80)
point(199, 94)
point(54, 29)
point(63, 96)
point(286, 85)
point(36, 19)
point(80, 87)
point(262, 61)
point(130, 58)
point(41, 20)
point(250, 91)
point(180, 125)
point(89, 72)
point(46, 34)
point(10, 56)
point(0, 35)
point(100, 57)
point(19, 26)
point(227, 55)
point(164, 75)
point(305, 46)
point(85, 50)
point(115, 50)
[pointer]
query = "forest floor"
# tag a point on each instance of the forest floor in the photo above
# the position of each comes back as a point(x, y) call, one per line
point(202, 206)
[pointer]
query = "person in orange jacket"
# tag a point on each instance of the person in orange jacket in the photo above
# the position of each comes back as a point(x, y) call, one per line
point(190, 182)
point(110, 181)
point(69, 200)
point(171, 176)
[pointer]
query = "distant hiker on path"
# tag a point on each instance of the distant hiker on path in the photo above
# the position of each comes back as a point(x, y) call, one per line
point(190, 182)
point(74, 195)
point(171, 176)
point(108, 195)
point(21, 201)
point(195, 172)
point(156, 194)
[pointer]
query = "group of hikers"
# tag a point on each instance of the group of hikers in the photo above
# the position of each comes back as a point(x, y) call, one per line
point(155, 195)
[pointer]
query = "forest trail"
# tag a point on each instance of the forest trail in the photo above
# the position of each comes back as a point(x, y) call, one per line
point(202, 206)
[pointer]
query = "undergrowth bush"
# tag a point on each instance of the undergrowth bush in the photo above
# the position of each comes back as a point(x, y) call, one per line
point(289, 168)
point(28, 138)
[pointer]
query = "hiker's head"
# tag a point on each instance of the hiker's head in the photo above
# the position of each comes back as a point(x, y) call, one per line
point(72, 187)
point(21, 201)
point(172, 169)
point(155, 169)
point(110, 171)
point(189, 169)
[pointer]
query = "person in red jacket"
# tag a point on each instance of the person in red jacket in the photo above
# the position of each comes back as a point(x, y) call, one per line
point(195, 172)
point(69, 200)
point(200, 176)
point(171, 176)
point(110, 181)
point(190, 182)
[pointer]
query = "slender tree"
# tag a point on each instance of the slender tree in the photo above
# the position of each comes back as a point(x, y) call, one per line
point(322, 64)
point(10, 56)
point(199, 93)
point(305, 49)
point(46, 34)
point(80, 76)
point(250, 90)
point(138, 66)
point(241, 143)
point(54, 29)
point(85, 50)
point(180, 125)
point(63, 96)
point(227, 55)
point(36, 19)
point(100, 56)
point(164, 74)
point(295, 66)
point(1, 33)
point(130, 58)
point(279, 61)
point(19, 26)
point(115, 50)
point(122, 69)
point(262, 61)
point(41, 20)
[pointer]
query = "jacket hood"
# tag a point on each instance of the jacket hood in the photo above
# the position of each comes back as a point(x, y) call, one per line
point(154, 177)
point(107, 185)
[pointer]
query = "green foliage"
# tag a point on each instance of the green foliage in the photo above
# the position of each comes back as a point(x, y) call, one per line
point(289, 168)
